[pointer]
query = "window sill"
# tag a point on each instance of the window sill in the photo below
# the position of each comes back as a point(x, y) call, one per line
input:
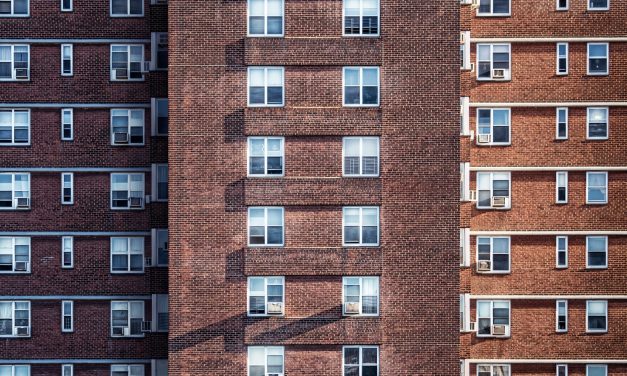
point(127, 273)
point(361, 35)
point(130, 80)
point(14, 272)
point(282, 315)
point(265, 35)
point(600, 74)
point(16, 337)
point(491, 208)
point(493, 273)
point(492, 15)
point(490, 336)
point(596, 203)
point(596, 332)
point(129, 337)
point(128, 209)
point(494, 144)
point(15, 16)
point(266, 105)
point(126, 15)
point(361, 315)
point(494, 79)
point(361, 105)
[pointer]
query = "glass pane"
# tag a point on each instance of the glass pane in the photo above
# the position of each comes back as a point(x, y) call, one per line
point(596, 244)
point(119, 6)
point(256, 285)
point(351, 77)
point(369, 356)
point(351, 355)
point(275, 7)
point(596, 180)
point(351, 95)
point(275, 77)
point(256, 7)
point(371, 77)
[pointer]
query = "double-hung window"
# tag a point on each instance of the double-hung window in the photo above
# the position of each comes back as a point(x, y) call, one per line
point(562, 58)
point(493, 126)
point(160, 247)
point(361, 296)
point(494, 8)
point(361, 86)
point(561, 187)
point(67, 370)
point(67, 66)
point(598, 59)
point(127, 255)
point(493, 190)
point(67, 124)
point(10, 370)
point(14, 191)
point(67, 188)
point(159, 50)
point(265, 360)
point(562, 5)
point(14, 8)
point(493, 254)
point(596, 370)
point(14, 319)
point(266, 156)
point(127, 191)
point(361, 360)
point(561, 316)
point(493, 370)
point(14, 255)
point(596, 188)
point(493, 61)
point(67, 252)
point(265, 226)
point(67, 316)
point(266, 296)
point(266, 87)
point(561, 250)
point(127, 62)
point(361, 17)
point(596, 316)
point(14, 62)
point(14, 127)
point(361, 156)
point(127, 127)
point(159, 118)
point(597, 123)
point(127, 318)
point(598, 4)
point(127, 8)
point(127, 370)
point(160, 315)
point(561, 132)
point(160, 182)
point(361, 226)
point(265, 18)
point(493, 318)
point(596, 252)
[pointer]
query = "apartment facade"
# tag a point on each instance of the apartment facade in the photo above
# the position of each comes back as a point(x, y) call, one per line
point(544, 172)
point(313, 165)
point(83, 188)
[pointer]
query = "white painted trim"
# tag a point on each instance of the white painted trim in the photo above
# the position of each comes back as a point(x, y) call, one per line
point(548, 104)
point(548, 168)
point(548, 232)
point(548, 361)
point(548, 297)
point(548, 39)
point(465, 114)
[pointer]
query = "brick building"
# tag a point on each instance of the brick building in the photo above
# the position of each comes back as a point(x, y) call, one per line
point(83, 185)
point(544, 176)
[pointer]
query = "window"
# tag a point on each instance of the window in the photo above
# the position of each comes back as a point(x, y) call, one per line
point(464, 47)
point(265, 226)
point(361, 360)
point(15, 370)
point(159, 110)
point(66, 6)
point(561, 187)
point(265, 18)
point(562, 58)
point(464, 171)
point(465, 116)
point(596, 190)
point(494, 190)
point(562, 5)
point(14, 319)
point(464, 247)
point(464, 312)
point(127, 255)
point(67, 188)
point(361, 156)
point(597, 123)
point(561, 370)
point(127, 8)
point(561, 132)
point(159, 49)
point(14, 255)
point(561, 316)
point(361, 296)
point(67, 316)
point(14, 191)
point(126, 319)
point(159, 367)
point(160, 182)
point(596, 251)
point(561, 245)
point(14, 61)
point(493, 254)
point(14, 8)
point(596, 313)
point(127, 370)
point(67, 124)
point(67, 370)
point(598, 58)
point(127, 191)
point(596, 370)
point(66, 60)
point(265, 87)
point(494, 8)
point(265, 361)
point(361, 86)
point(127, 127)
point(67, 252)
point(14, 127)
point(494, 61)
point(493, 126)
point(361, 17)
point(160, 312)
point(493, 318)
point(127, 62)
point(493, 370)
point(598, 4)
point(266, 156)
point(361, 226)
point(160, 247)
point(266, 296)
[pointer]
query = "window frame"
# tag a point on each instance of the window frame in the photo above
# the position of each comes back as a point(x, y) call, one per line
point(361, 226)
point(155, 245)
point(361, 87)
point(361, 15)
point(509, 254)
point(558, 250)
point(509, 368)
point(560, 57)
point(265, 34)
point(588, 366)
point(588, 330)
point(128, 62)
point(128, 190)
point(154, 115)
point(155, 42)
point(492, 173)
point(155, 312)
point(69, 111)
point(265, 225)
point(361, 364)
point(265, 296)
point(266, 86)
point(265, 157)
point(13, 126)
point(557, 316)
point(63, 188)
point(129, 253)
point(129, 127)
point(128, 12)
point(65, 314)
point(509, 325)
point(557, 187)
point(155, 182)
point(557, 123)
point(13, 77)
point(558, 8)
point(361, 296)
point(606, 186)
point(70, 58)
point(70, 367)
point(27, 366)
point(361, 156)
point(280, 350)
point(13, 190)
point(607, 123)
point(492, 14)
point(606, 251)
point(477, 63)
point(70, 9)
point(128, 368)
point(13, 15)
point(70, 239)
point(13, 326)
point(607, 57)
point(509, 125)
point(13, 254)
point(128, 308)
point(595, 9)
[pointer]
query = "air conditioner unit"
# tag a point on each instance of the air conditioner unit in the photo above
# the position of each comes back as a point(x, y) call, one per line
point(473, 196)
point(22, 202)
point(118, 331)
point(22, 331)
point(21, 73)
point(499, 73)
point(21, 266)
point(146, 326)
point(146, 67)
point(136, 202)
point(351, 308)
point(499, 201)
point(275, 308)
point(484, 266)
point(127, 331)
point(499, 330)
point(484, 138)
point(472, 327)
point(120, 137)
point(119, 74)
point(148, 261)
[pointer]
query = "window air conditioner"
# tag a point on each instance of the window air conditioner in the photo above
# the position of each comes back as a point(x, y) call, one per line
point(135, 202)
point(499, 330)
point(499, 73)
point(499, 201)
point(351, 308)
point(119, 74)
point(146, 326)
point(120, 137)
point(118, 331)
point(275, 308)
point(22, 331)
point(484, 266)
point(473, 196)
point(21, 266)
point(484, 138)
point(21, 73)
point(22, 202)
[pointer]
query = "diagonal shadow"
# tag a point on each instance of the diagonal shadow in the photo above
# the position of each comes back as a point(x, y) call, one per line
point(297, 327)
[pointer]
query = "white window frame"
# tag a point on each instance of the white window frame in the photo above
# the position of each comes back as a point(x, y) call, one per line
point(13, 309)
point(509, 126)
point(268, 351)
point(155, 245)
point(13, 244)
point(464, 247)
point(69, 368)
point(588, 330)
point(558, 8)
point(69, 111)
point(558, 250)
point(361, 15)
point(361, 295)
point(560, 57)
point(128, 13)
point(464, 313)
point(13, 77)
point(509, 254)
point(13, 15)
point(155, 312)
point(607, 57)
point(67, 240)
point(491, 78)
point(588, 366)
point(509, 326)
point(598, 9)
point(128, 307)
point(361, 86)
point(465, 116)
point(265, 20)
point(70, 58)
point(13, 190)
point(63, 187)
point(559, 174)
point(65, 314)
point(596, 202)
point(154, 115)
point(360, 226)
point(361, 364)
point(361, 156)
point(265, 296)
point(70, 9)
point(557, 315)
point(13, 366)
point(492, 14)
point(492, 366)
point(265, 72)
point(129, 253)
point(129, 112)
point(139, 367)
point(557, 122)
point(128, 189)
point(607, 123)
point(465, 50)
point(491, 174)
point(605, 239)
point(13, 126)
point(265, 156)
point(265, 225)
point(128, 62)
point(464, 171)
point(155, 181)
